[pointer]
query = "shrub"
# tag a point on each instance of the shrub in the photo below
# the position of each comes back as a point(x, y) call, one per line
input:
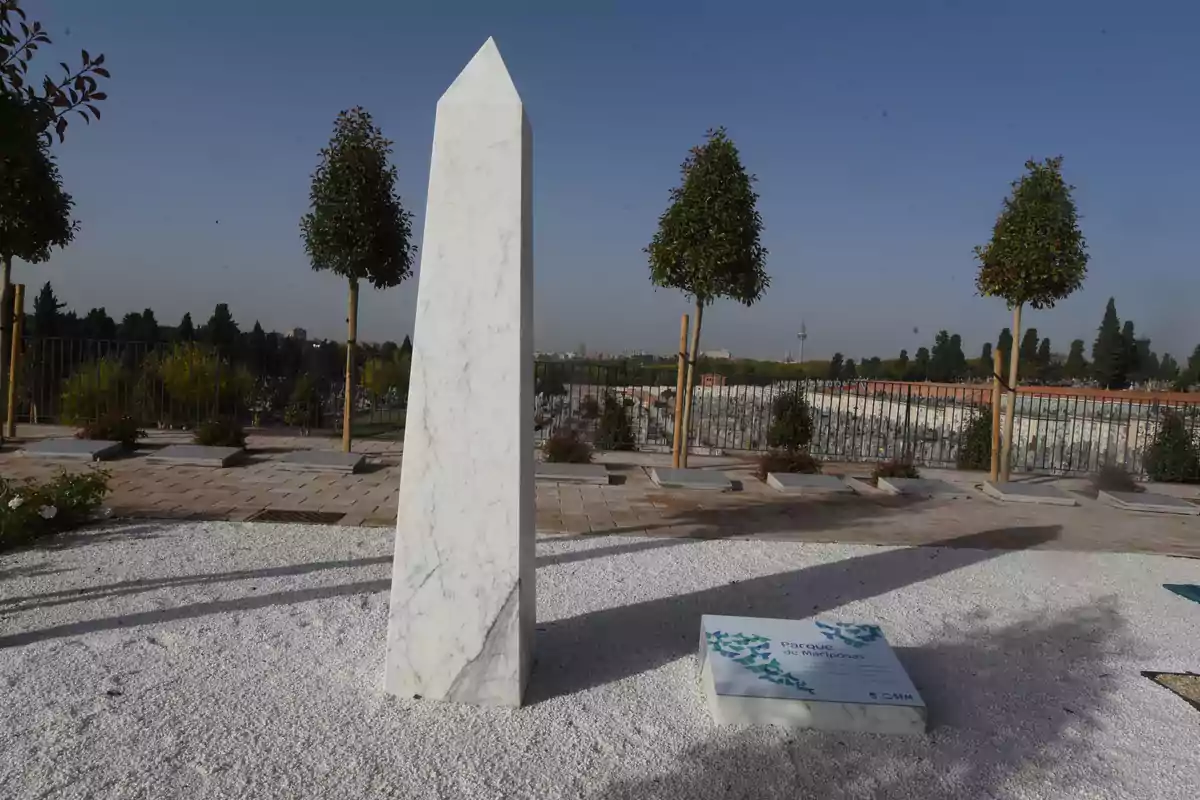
point(791, 422)
point(29, 510)
point(221, 432)
point(1173, 456)
point(787, 461)
point(93, 390)
point(567, 447)
point(195, 379)
point(304, 404)
point(589, 408)
point(614, 430)
point(894, 469)
point(1114, 478)
point(114, 427)
point(975, 448)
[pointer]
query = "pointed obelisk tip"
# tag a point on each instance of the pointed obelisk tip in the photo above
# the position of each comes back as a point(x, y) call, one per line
point(484, 78)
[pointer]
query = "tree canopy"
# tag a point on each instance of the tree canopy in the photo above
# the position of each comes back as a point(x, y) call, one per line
point(357, 227)
point(1037, 254)
point(707, 244)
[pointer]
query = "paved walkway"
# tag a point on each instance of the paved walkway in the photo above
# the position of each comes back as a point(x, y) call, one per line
point(632, 504)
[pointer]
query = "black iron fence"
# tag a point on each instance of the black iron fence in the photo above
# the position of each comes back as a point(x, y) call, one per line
point(172, 385)
point(616, 406)
point(865, 420)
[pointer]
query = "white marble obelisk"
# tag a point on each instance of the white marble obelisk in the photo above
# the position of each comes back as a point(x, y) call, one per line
point(462, 610)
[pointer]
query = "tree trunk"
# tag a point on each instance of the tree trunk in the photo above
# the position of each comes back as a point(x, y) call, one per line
point(679, 373)
point(1014, 358)
point(690, 388)
point(352, 334)
point(6, 321)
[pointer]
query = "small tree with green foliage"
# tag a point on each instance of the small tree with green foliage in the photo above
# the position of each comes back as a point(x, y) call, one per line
point(357, 227)
point(1173, 456)
point(975, 447)
point(1076, 367)
point(1037, 256)
point(35, 212)
point(1109, 356)
point(708, 241)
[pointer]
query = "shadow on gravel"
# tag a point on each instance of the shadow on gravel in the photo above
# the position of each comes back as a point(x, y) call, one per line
point(1012, 711)
point(604, 646)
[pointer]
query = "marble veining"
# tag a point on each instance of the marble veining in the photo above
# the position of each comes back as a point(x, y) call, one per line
point(462, 606)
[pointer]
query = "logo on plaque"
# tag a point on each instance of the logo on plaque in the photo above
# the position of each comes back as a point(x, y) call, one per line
point(754, 653)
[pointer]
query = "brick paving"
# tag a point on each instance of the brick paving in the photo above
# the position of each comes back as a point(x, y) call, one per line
point(632, 503)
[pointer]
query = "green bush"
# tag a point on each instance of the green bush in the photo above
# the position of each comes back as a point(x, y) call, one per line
point(304, 404)
point(1114, 478)
point(1173, 456)
point(221, 432)
point(787, 461)
point(791, 422)
point(196, 383)
point(894, 469)
point(614, 431)
point(93, 390)
point(567, 447)
point(589, 407)
point(975, 447)
point(113, 427)
point(29, 510)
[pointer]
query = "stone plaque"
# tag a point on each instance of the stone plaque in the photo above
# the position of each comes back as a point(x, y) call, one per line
point(812, 673)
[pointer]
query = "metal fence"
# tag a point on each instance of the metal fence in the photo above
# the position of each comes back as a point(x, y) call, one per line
point(169, 385)
point(616, 406)
point(858, 420)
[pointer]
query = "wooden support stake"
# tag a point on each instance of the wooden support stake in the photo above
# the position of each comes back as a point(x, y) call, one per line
point(997, 366)
point(677, 438)
point(18, 325)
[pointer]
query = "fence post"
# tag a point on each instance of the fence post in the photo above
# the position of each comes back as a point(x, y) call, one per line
point(906, 453)
point(13, 372)
point(675, 439)
point(997, 365)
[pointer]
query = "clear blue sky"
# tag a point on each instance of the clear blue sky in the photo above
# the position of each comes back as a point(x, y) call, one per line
point(884, 135)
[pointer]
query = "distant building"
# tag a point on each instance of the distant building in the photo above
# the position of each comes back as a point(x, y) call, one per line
point(299, 334)
point(710, 379)
point(721, 354)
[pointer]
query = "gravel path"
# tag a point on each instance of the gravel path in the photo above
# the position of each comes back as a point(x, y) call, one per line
point(227, 660)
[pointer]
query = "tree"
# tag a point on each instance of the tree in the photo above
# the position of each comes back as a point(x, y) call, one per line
point(902, 366)
point(406, 347)
point(1145, 361)
point(835, 367)
point(1168, 369)
point(1193, 367)
point(98, 325)
point(939, 358)
point(256, 350)
point(1004, 344)
point(984, 369)
point(957, 359)
point(1129, 350)
point(186, 332)
point(920, 366)
point(1043, 357)
point(1109, 356)
point(35, 212)
point(1037, 256)
point(357, 227)
point(221, 331)
point(849, 370)
point(708, 241)
point(1076, 367)
point(46, 314)
point(1028, 352)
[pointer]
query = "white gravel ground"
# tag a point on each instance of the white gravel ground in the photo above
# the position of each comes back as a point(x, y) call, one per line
point(243, 661)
